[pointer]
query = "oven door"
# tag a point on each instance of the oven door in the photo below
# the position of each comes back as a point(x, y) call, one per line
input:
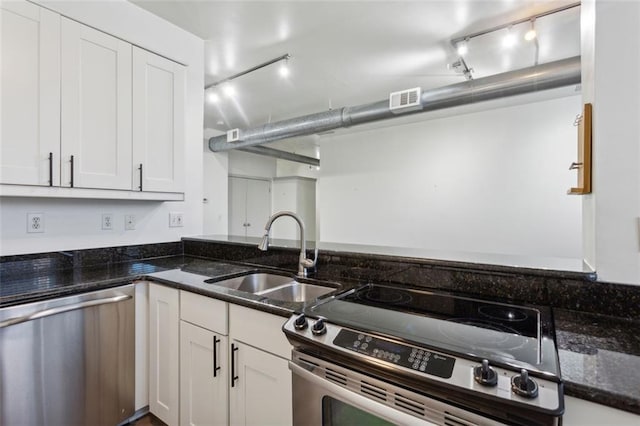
point(317, 401)
point(330, 395)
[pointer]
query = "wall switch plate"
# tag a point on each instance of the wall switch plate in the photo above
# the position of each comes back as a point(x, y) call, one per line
point(35, 222)
point(176, 219)
point(129, 222)
point(107, 221)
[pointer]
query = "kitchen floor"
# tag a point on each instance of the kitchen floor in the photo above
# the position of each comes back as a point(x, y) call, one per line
point(148, 420)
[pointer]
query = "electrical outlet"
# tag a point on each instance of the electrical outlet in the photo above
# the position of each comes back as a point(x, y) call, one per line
point(129, 222)
point(35, 222)
point(176, 220)
point(107, 221)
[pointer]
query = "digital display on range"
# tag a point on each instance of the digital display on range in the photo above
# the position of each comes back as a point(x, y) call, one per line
point(417, 359)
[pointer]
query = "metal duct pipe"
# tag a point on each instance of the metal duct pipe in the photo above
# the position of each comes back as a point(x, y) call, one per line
point(284, 155)
point(552, 75)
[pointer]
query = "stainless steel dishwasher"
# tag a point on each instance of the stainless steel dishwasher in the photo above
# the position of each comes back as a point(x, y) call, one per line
point(69, 361)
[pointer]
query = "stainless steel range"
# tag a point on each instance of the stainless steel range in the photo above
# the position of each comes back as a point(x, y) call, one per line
point(380, 354)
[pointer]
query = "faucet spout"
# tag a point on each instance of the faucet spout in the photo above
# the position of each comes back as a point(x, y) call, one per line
point(303, 262)
point(264, 243)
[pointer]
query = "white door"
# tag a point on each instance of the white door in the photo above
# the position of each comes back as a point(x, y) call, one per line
point(204, 393)
point(258, 206)
point(261, 395)
point(249, 206)
point(158, 123)
point(30, 82)
point(164, 318)
point(96, 108)
point(237, 206)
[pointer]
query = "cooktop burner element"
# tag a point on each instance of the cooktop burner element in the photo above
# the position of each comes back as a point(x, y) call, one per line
point(503, 313)
point(384, 295)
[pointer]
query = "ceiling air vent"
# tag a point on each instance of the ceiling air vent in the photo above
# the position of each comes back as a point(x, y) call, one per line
point(405, 100)
point(233, 135)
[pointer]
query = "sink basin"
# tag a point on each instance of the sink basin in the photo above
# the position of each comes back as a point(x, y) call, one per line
point(254, 283)
point(276, 287)
point(297, 292)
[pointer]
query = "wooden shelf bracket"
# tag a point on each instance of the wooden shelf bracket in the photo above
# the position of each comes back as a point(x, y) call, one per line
point(583, 164)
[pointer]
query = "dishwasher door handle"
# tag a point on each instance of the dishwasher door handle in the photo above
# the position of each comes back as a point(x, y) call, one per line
point(60, 309)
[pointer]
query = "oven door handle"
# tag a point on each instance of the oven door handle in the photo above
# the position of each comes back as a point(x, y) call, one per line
point(385, 412)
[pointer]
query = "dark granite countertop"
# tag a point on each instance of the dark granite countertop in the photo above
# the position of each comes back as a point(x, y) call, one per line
point(600, 358)
point(181, 272)
point(599, 354)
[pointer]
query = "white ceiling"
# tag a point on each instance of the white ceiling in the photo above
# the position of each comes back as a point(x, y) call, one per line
point(347, 53)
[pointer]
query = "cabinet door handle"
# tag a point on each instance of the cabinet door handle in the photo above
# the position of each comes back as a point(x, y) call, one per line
point(234, 349)
point(216, 367)
point(51, 169)
point(140, 168)
point(71, 182)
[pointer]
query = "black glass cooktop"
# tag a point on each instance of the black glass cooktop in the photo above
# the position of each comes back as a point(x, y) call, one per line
point(508, 334)
point(492, 316)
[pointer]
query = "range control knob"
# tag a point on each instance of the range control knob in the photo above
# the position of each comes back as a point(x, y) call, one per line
point(485, 375)
point(300, 323)
point(524, 386)
point(319, 328)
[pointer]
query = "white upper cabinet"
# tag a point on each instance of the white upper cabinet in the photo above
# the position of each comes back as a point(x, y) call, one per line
point(158, 123)
point(84, 109)
point(30, 94)
point(96, 109)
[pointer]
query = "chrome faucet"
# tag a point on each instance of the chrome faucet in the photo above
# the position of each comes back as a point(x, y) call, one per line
point(303, 262)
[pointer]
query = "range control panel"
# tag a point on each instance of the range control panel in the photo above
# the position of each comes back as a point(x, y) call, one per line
point(407, 356)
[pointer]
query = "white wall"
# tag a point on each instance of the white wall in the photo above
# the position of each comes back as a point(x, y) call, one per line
point(296, 194)
point(216, 192)
point(612, 213)
point(492, 181)
point(251, 165)
point(289, 168)
point(76, 224)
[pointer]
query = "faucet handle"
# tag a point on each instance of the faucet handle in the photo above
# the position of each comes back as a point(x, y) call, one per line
point(308, 263)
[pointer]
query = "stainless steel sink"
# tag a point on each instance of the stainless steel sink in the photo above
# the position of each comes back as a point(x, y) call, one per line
point(297, 292)
point(254, 283)
point(276, 287)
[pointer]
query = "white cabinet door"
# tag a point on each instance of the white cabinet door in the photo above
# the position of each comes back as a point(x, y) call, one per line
point(258, 206)
point(237, 206)
point(30, 82)
point(204, 379)
point(249, 206)
point(96, 109)
point(261, 395)
point(158, 123)
point(164, 369)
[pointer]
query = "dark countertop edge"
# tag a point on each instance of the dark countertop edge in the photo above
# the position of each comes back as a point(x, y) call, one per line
point(116, 282)
point(21, 299)
point(598, 396)
point(470, 266)
point(238, 300)
point(442, 263)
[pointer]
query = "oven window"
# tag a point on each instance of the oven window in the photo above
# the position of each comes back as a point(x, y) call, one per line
point(338, 413)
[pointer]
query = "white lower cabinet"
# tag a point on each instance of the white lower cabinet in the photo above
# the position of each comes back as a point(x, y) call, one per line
point(261, 392)
point(204, 373)
point(579, 412)
point(197, 344)
point(164, 320)
point(204, 366)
